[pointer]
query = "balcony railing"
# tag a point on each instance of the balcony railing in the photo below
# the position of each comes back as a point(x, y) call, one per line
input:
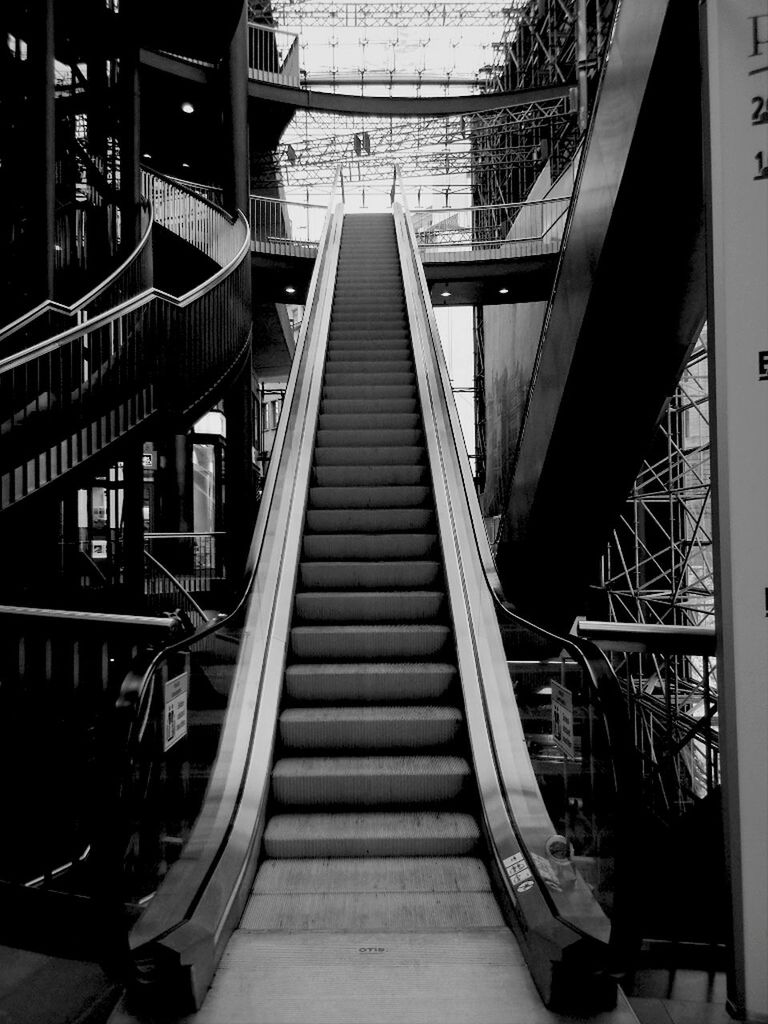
point(490, 232)
point(70, 396)
point(273, 55)
point(50, 317)
point(286, 228)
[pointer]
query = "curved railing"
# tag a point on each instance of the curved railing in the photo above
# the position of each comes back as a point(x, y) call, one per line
point(189, 918)
point(286, 228)
point(559, 912)
point(509, 231)
point(68, 397)
point(51, 318)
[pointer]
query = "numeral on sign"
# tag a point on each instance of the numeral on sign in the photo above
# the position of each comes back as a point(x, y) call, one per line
point(762, 166)
point(759, 110)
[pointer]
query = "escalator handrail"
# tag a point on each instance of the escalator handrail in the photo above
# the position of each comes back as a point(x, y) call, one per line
point(597, 668)
point(186, 888)
point(52, 306)
point(599, 672)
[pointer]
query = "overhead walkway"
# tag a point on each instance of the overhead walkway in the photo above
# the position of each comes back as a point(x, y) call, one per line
point(374, 844)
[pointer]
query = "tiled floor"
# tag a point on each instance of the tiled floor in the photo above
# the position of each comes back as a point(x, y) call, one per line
point(680, 997)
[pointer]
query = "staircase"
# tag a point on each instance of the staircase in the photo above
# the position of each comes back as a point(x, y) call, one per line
point(371, 825)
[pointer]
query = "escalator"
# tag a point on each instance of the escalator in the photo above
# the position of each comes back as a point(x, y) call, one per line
point(373, 844)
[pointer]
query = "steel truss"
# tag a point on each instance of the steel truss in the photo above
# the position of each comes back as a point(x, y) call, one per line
point(442, 146)
point(658, 569)
point(382, 13)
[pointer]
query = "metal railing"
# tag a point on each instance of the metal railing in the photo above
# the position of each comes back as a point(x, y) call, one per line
point(213, 193)
point(197, 560)
point(163, 592)
point(61, 672)
point(70, 396)
point(286, 228)
point(668, 674)
point(490, 232)
point(51, 317)
point(273, 55)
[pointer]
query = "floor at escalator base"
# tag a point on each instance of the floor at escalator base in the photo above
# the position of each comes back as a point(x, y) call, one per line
point(367, 977)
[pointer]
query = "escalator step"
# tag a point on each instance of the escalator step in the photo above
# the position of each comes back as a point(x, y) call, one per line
point(376, 406)
point(360, 643)
point(370, 476)
point(372, 834)
point(370, 520)
point(368, 547)
point(369, 391)
point(370, 421)
point(391, 496)
point(369, 682)
point(370, 606)
point(369, 727)
point(377, 780)
point(346, 378)
point(374, 368)
point(367, 575)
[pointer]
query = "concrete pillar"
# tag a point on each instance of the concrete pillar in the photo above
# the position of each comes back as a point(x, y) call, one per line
point(173, 483)
point(736, 153)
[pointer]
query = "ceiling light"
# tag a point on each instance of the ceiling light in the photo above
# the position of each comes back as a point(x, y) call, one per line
point(185, 165)
point(290, 289)
point(503, 291)
point(445, 294)
point(187, 107)
point(146, 156)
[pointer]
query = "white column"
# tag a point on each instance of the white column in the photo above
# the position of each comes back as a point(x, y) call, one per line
point(736, 78)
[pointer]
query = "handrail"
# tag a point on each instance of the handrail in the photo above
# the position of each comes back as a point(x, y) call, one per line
point(181, 590)
point(578, 916)
point(648, 637)
point(210, 880)
point(52, 306)
point(94, 382)
point(129, 306)
point(98, 620)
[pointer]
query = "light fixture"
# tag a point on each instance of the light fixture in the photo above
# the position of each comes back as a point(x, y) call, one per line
point(289, 289)
point(146, 156)
point(187, 107)
point(445, 294)
point(503, 291)
point(57, 248)
point(185, 165)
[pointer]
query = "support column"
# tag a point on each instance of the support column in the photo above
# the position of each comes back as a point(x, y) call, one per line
point(239, 482)
point(133, 524)
point(41, 154)
point(130, 174)
point(236, 171)
point(736, 153)
point(173, 485)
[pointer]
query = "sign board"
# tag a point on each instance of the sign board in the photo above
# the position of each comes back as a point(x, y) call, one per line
point(99, 550)
point(562, 719)
point(737, 136)
point(175, 710)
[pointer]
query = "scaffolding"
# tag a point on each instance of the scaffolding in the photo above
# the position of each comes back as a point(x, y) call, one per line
point(658, 569)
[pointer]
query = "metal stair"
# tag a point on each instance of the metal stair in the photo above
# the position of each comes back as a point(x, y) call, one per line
point(371, 821)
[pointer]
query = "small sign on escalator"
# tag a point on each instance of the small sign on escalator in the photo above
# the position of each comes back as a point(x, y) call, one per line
point(175, 710)
point(562, 719)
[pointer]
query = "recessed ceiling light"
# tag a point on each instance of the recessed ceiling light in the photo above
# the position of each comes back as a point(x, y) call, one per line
point(187, 107)
point(445, 294)
point(185, 165)
point(146, 156)
point(290, 289)
point(503, 291)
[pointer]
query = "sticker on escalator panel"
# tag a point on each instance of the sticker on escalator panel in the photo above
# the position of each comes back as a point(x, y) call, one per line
point(518, 871)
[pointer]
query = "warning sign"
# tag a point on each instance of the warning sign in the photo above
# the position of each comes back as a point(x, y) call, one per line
point(175, 710)
point(562, 719)
point(518, 871)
